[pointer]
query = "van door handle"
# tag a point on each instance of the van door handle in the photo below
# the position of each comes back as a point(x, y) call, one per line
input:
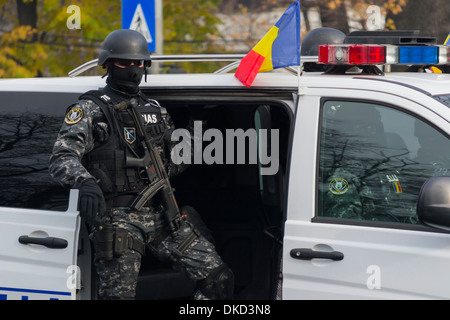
point(309, 254)
point(49, 242)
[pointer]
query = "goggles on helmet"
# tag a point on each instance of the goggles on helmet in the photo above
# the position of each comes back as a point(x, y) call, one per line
point(126, 63)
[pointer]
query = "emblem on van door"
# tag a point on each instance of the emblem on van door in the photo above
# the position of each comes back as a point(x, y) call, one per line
point(338, 186)
point(74, 116)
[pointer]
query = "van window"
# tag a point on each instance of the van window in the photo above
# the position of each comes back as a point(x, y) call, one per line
point(29, 124)
point(374, 160)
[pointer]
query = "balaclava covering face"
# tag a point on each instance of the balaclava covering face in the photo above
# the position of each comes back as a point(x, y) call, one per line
point(125, 79)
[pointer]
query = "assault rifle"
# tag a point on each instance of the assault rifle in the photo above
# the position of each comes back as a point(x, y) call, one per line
point(156, 173)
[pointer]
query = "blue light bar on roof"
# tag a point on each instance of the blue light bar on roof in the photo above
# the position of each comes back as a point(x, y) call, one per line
point(348, 54)
point(418, 55)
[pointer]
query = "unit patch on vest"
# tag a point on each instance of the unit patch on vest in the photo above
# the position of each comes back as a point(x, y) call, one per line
point(392, 178)
point(129, 134)
point(74, 116)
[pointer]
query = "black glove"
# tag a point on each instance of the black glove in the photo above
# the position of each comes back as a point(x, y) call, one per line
point(92, 202)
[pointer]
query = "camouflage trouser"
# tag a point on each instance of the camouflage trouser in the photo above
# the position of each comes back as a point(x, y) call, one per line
point(118, 277)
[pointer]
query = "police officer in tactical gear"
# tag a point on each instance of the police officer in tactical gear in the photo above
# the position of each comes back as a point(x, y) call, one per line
point(101, 151)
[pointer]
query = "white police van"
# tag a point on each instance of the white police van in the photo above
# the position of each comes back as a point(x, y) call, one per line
point(337, 218)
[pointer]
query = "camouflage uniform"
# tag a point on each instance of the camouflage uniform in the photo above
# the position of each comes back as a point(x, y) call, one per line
point(380, 196)
point(84, 129)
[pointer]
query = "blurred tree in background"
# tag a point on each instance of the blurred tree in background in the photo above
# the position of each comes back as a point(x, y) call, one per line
point(430, 17)
point(36, 41)
point(39, 38)
point(251, 19)
point(190, 27)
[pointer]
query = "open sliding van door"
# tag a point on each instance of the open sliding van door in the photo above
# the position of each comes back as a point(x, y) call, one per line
point(38, 253)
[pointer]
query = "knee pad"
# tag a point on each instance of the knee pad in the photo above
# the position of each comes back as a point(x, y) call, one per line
point(219, 284)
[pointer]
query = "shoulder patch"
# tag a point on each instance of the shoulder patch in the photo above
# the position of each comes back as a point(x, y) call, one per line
point(74, 115)
point(338, 186)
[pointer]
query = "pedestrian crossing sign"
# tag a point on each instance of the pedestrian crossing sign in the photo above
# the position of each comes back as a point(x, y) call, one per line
point(140, 15)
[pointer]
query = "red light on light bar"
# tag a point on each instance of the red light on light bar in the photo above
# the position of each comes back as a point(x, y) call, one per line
point(352, 54)
point(377, 55)
point(358, 54)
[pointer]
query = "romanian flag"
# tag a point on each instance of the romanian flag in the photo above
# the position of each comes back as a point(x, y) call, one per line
point(279, 48)
point(397, 187)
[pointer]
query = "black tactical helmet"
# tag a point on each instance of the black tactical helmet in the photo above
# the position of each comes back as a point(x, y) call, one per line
point(124, 44)
point(320, 36)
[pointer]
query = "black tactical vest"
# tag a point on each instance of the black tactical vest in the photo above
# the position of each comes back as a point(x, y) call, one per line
point(115, 163)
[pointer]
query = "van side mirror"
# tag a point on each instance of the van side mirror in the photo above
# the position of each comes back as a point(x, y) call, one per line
point(433, 206)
